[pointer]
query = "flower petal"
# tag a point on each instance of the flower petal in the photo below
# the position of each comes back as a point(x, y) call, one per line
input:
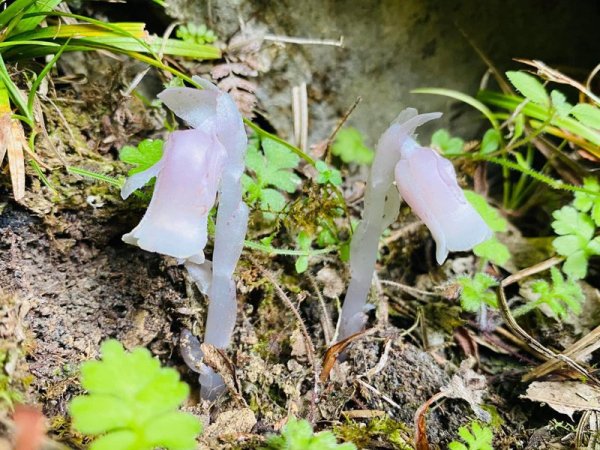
point(428, 184)
point(138, 180)
point(192, 105)
point(175, 222)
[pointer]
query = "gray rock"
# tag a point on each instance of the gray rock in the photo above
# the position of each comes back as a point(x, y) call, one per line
point(393, 46)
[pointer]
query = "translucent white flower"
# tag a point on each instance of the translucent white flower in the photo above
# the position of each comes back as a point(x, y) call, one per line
point(427, 182)
point(187, 178)
point(197, 165)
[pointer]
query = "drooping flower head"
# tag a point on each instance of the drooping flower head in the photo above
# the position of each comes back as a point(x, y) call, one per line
point(189, 173)
point(427, 182)
point(197, 165)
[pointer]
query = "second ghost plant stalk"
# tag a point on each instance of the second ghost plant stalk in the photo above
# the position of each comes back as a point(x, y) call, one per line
point(196, 164)
point(427, 182)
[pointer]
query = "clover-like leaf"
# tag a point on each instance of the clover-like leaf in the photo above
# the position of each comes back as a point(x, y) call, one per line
point(493, 250)
point(475, 291)
point(576, 240)
point(272, 172)
point(588, 202)
point(446, 144)
point(145, 155)
point(561, 296)
point(134, 400)
point(350, 147)
point(299, 435)
point(477, 438)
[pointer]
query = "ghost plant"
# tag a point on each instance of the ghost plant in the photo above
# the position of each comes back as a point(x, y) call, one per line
point(427, 182)
point(196, 165)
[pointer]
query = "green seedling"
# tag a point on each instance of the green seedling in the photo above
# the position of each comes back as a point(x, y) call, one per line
point(132, 403)
point(562, 296)
point(476, 292)
point(328, 175)
point(589, 203)
point(446, 144)
point(299, 435)
point(350, 147)
point(272, 167)
point(576, 240)
point(145, 155)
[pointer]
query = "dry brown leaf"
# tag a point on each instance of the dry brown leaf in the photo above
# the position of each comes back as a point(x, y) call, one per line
point(336, 349)
point(566, 397)
point(13, 142)
point(469, 386)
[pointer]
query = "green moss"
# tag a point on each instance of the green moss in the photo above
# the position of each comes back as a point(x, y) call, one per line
point(379, 432)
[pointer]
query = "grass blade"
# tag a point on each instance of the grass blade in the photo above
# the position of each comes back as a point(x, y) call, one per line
point(534, 111)
point(14, 92)
point(13, 10)
point(32, 22)
point(36, 84)
point(471, 101)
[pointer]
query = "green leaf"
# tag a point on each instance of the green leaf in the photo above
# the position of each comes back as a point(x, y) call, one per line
point(446, 144)
point(457, 446)
point(279, 160)
point(100, 413)
point(576, 230)
point(490, 142)
point(349, 146)
point(560, 104)
point(145, 155)
point(587, 114)
point(175, 430)
point(327, 174)
point(561, 296)
point(133, 399)
point(593, 247)
point(489, 214)
point(304, 242)
point(585, 202)
point(567, 245)
point(298, 435)
point(272, 201)
point(493, 250)
point(529, 86)
point(31, 22)
point(119, 440)
point(569, 221)
point(477, 438)
point(476, 292)
point(576, 265)
point(273, 166)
